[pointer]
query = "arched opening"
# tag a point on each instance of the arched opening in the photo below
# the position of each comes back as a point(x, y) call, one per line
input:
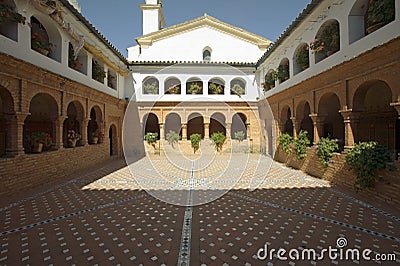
point(238, 87)
point(283, 70)
point(216, 86)
point(98, 72)
point(112, 134)
point(6, 108)
point(286, 121)
point(269, 81)
point(151, 124)
point(45, 38)
point(95, 126)
point(151, 85)
point(377, 119)
point(332, 120)
point(195, 125)
point(9, 23)
point(239, 123)
point(207, 54)
point(173, 123)
point(112, 79)
point(306, 123)
point(217, 124)
point(379, 14)
point(73, 122)
point(327, 40)
point(172, 86)
point(40, 123)
point(301, 58)
point(74, 59)
point(194, 86)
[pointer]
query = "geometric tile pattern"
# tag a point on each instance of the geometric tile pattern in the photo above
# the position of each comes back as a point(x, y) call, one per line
point(103, 217)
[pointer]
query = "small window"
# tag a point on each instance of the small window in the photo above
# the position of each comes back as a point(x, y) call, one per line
point(206, 55)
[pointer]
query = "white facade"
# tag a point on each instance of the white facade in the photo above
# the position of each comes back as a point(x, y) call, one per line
point(353, 40)
point(205, 44)
point(18, 45)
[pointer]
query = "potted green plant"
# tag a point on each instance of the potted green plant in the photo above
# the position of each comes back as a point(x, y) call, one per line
point(195, 88)
point(150, 88)
point(270, 79)
point(283, 72)
point(215, 88)
point(110, 80)
point(379, 13)
point(174, 89)
point(8, 14)
point(40, 42)
point(237, 89)
point(39, 140)
point(327, 42)
point(98, 72)
point(73, 61)
point(95, 137)
point(72, 138)
point(303, 58)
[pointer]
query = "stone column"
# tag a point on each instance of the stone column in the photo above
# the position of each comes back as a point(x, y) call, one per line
point(228, 128)
point(161, 125)
point(84, 128)
point(295, 126)
point(184, 131)
point(206, 130)
point(15, 134)
point(248, 131)
point(318, 123)
point(58, 125)
point(350, 127)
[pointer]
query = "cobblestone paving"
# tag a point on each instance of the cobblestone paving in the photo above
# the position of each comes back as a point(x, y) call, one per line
point(104, 217)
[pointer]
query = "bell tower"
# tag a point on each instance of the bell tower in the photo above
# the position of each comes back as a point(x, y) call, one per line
point(153, 17)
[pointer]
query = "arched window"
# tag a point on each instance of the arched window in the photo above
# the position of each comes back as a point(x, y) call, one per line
point(9, 22)
point(327, 40)
point(238, 87)
point(283, 70)
point(207, 54)
point(301, 58)
point(150, 86)
point(45, 38)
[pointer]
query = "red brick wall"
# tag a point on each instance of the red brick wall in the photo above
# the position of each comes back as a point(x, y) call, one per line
point(32, 170)
point(339, 174)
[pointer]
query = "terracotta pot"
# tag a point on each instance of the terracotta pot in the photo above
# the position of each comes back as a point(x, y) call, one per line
point(329, 53)
point(72, 143)
point(42, 51)
point(37, 147)
point(95, 140)
point(375, 27)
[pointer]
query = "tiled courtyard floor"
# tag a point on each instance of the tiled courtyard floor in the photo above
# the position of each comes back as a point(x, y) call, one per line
point(102, 217)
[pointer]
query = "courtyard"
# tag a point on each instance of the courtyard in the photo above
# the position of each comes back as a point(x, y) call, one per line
point(103, 216)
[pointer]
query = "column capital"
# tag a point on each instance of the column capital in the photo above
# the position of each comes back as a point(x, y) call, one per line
point(349, 115)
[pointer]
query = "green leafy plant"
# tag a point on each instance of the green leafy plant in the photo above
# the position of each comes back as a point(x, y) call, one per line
point(240, 135)
point(218, 139)
point(151, 139)
point(172, 138)
point(73, 61)
point(365, 159)
point(42, 138)
point(325, 149)
point(195, 141)
point(300, 145)
point(110, 80)
point(270, 79)
point(150, 88)
point(380, 11)
point(195, 88)
point(8, 14)
point(327, 42)
point(285, 142)
point(303, 57)
point(283, 72)
point(215, 88)
point(98, 72)
point(40, 40)
point(237, 89)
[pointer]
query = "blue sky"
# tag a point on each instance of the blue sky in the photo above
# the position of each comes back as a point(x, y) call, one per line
point(120, 21)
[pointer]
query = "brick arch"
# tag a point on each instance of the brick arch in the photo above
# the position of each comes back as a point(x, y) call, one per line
point(217, 123)
point(95, 125)
point(145, 114)
point(151, 124)
point(173, 121)
point(286, 125)
point(7, 101)
point(76, 100)
point(35, 90)
point(341, 95)
point(392, 83)
point(113, 139)
point(6, 108)
point(195, 124)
